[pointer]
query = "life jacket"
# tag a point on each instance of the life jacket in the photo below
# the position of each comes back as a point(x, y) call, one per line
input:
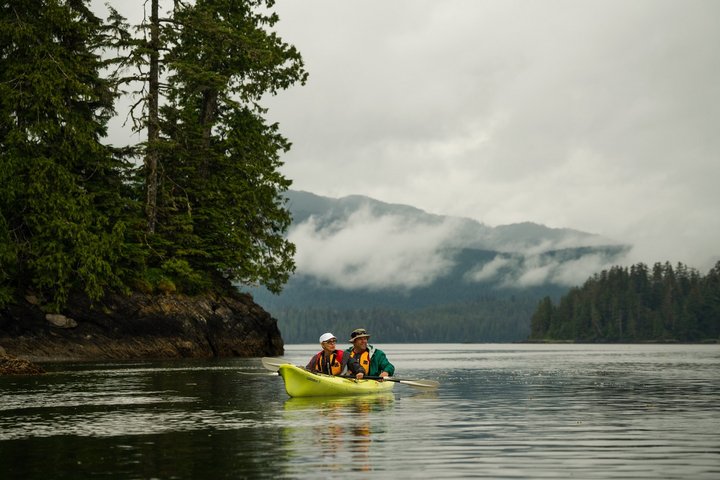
point(363, 359)
point(332, 367)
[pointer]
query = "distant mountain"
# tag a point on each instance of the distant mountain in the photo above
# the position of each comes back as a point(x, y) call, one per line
point(469, 233)
point(304, 205)
point(357, 255)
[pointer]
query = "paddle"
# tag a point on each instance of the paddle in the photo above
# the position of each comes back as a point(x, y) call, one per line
point(273, 364)
point(412, 383)
point(263, 374)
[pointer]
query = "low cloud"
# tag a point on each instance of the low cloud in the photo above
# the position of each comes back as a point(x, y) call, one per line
point(599, 116)
point(365, 251)
point(532, 270)
point(490, 271)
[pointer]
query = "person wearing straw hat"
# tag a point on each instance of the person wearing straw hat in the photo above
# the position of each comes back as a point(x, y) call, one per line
point(372, 360)
point(332, 361)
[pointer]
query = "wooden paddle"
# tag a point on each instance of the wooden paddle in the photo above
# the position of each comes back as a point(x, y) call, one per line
point(273, 364)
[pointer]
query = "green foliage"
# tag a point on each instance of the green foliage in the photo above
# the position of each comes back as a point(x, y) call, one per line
point(57, 199)
point(71, 208)
point(183, 275)
point(221, 190)
point(220, 208)
point(540, 321)
point(618, 305)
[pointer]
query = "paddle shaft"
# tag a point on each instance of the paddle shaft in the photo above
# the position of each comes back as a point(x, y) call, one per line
point(412, 383)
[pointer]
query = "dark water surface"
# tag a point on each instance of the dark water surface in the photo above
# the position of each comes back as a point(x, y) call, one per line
point(502, 411)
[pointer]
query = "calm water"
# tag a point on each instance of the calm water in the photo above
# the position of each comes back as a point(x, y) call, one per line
point(502, 411)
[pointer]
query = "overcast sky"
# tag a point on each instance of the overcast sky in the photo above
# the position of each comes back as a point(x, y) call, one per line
point(602, 115)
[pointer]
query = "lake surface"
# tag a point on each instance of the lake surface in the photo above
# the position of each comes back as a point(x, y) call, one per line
point(502, 411)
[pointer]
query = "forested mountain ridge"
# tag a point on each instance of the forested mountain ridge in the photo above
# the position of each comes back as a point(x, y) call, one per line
point(416, 276)
point(635, 304)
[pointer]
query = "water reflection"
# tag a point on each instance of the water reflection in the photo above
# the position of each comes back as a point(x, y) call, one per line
point(333, 433)
point(513, 411)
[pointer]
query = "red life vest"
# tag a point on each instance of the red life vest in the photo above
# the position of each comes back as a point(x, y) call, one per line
point(333, 367)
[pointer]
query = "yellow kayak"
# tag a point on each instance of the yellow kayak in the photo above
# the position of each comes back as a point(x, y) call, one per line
point(302, 383)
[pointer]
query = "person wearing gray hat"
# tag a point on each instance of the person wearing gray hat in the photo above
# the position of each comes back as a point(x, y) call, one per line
point(372, 360)
point(333, 362)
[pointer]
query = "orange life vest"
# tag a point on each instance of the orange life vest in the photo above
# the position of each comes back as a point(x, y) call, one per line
point(363, 358)
point(333, 367)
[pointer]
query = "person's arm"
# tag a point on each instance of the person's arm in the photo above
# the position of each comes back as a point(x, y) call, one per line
point(354, 367)
point(311, 364)
point(384, 364)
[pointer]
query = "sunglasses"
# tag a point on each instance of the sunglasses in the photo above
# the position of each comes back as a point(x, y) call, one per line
point(330, 341)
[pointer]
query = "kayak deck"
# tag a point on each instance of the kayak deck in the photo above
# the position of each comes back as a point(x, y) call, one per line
point(302, 383)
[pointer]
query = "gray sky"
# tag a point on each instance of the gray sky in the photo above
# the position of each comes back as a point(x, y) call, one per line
point(602, 115)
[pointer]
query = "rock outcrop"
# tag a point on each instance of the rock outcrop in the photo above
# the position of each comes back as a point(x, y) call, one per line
point(10, 365)
point(140, 326)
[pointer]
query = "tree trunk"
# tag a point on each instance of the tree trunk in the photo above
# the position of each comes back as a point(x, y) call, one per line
point(151, 154)
point(207, 118)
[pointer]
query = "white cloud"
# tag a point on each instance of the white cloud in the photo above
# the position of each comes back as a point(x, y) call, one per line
point(370, 248)
point(372, 252)
point(538, 274)
point(576, 272)
point(491, 271)
point(598, 115)
point(535, 269)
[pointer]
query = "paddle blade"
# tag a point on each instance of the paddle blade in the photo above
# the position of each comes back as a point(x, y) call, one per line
point(263, 374)
point(429, 384)
point(273, 364)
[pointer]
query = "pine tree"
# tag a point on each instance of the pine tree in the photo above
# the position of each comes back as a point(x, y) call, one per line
point(540, 322)
point(710, 307)
point(219, 213)
point(621, 305)
point(60, 185)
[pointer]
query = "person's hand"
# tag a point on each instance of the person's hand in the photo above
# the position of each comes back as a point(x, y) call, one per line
point(384, 374)
point(359, 375)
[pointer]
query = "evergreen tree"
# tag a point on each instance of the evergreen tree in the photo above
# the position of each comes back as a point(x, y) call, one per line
point(540, 321)
point(60, 186)
point(219, 213)
point(621, 305)
point(709, 317)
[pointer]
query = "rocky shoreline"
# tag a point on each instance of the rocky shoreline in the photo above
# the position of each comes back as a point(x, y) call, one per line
point(139, 326)
point(10, 365)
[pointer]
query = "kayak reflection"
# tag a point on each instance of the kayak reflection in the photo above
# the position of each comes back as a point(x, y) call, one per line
point(329, 432)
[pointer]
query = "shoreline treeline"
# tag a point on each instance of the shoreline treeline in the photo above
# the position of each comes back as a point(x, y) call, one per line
point(635, 304)
point(488, 319)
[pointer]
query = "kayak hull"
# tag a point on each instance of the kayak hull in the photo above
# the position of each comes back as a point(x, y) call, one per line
point(302, 383)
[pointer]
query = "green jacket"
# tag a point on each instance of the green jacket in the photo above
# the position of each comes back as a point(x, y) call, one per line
point(378, 362)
